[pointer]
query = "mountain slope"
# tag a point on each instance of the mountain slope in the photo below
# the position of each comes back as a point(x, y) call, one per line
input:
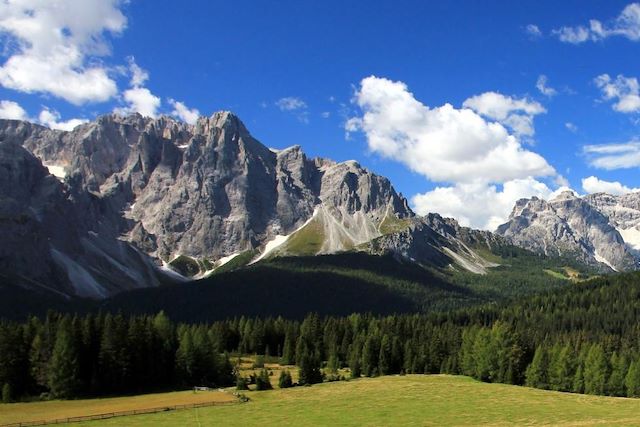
point(588, 228)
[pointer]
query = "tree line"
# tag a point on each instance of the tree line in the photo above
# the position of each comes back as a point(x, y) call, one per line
point(584, 338)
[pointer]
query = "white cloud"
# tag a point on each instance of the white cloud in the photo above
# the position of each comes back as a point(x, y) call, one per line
point(533, 31)
point(140, 100)
point(11, 110)
point(325, 114)
point(51, 119)
point(541, 84)
point(614, 156)
point(458, 146)
point(516, 114)
point(593, 184)
point(291, 103)
point(54, 45)
point(185, 114)
point(627, 24)
point(479, 205)
point(571, 127)
point(625, 91)
point(139, 76)
point(296, 106)
point(442, 143)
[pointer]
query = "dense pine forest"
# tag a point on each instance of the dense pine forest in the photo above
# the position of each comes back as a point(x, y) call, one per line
point(584, 338)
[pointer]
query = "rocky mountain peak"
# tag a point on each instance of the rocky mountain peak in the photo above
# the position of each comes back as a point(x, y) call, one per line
point(569, 225)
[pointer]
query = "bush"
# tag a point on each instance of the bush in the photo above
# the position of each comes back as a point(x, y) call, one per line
point(262, 381)
point(241, 383)
point(285, 380)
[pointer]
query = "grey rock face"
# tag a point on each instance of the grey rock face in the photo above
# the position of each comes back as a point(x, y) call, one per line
point(441, 242)
point(207, 191)
point(584, 228)
point(45, 242)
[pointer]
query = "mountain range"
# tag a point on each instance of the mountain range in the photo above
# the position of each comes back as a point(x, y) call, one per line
point(123, 203)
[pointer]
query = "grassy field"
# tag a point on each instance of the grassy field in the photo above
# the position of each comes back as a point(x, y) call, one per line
point(55, 409)
point(412, 400)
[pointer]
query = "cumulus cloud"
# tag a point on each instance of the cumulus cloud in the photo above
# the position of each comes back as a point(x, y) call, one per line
point(51, 119)
point(456, 146)
point(624, 91)
point(571, 127)
point(54, 44)
point(614, 156)
point(11, 110)
point(139, 99)
point(627, 25)
point(542, 86)
point(533, 31)
point(479, 205)
point(593, 184)
point(516, 114)
point(181, 111)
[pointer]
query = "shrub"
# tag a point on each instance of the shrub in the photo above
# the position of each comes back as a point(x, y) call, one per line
point(285, 380)
point(262, 381)
point(241, 383)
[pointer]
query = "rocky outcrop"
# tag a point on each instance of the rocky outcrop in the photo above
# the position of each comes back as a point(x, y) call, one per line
point(435, 241)
point(568, 225)
point(45, 243)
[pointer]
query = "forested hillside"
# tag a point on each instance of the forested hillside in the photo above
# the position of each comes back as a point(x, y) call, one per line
point(584, 337)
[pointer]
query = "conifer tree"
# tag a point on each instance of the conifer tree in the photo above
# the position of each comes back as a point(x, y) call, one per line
point(595, 371)
point(536, 373)
point(632, 380)
point(64, 373)
point(616, 382)
point(285, 380)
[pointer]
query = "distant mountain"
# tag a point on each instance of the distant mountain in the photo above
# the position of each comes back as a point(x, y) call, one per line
point(139, 202)
point(598, 229)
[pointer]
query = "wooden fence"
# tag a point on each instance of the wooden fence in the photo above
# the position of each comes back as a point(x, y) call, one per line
point(119, 414)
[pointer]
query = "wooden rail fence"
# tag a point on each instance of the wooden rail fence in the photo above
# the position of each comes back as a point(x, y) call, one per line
point(120, 414)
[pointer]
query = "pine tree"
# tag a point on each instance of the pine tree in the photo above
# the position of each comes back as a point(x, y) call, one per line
point(536, 373)
point(615, 385)
point(288, 350)
point(632, 380)
point(560, 371)
point(595, 371)
point(7, 395)
point(64, 373)
point(355, 358)
point(385, 356)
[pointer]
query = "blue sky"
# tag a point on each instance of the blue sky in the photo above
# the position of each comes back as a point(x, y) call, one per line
point(296, 73)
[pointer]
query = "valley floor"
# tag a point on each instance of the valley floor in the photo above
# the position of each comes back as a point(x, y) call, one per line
point(411, 400)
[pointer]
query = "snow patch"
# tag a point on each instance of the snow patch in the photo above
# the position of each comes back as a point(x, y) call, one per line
point(81, 280)
point(56, 170)
point(166, 268)
point(603, 260)
point(279, 240)
point(183, 146)
point(631, 237)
